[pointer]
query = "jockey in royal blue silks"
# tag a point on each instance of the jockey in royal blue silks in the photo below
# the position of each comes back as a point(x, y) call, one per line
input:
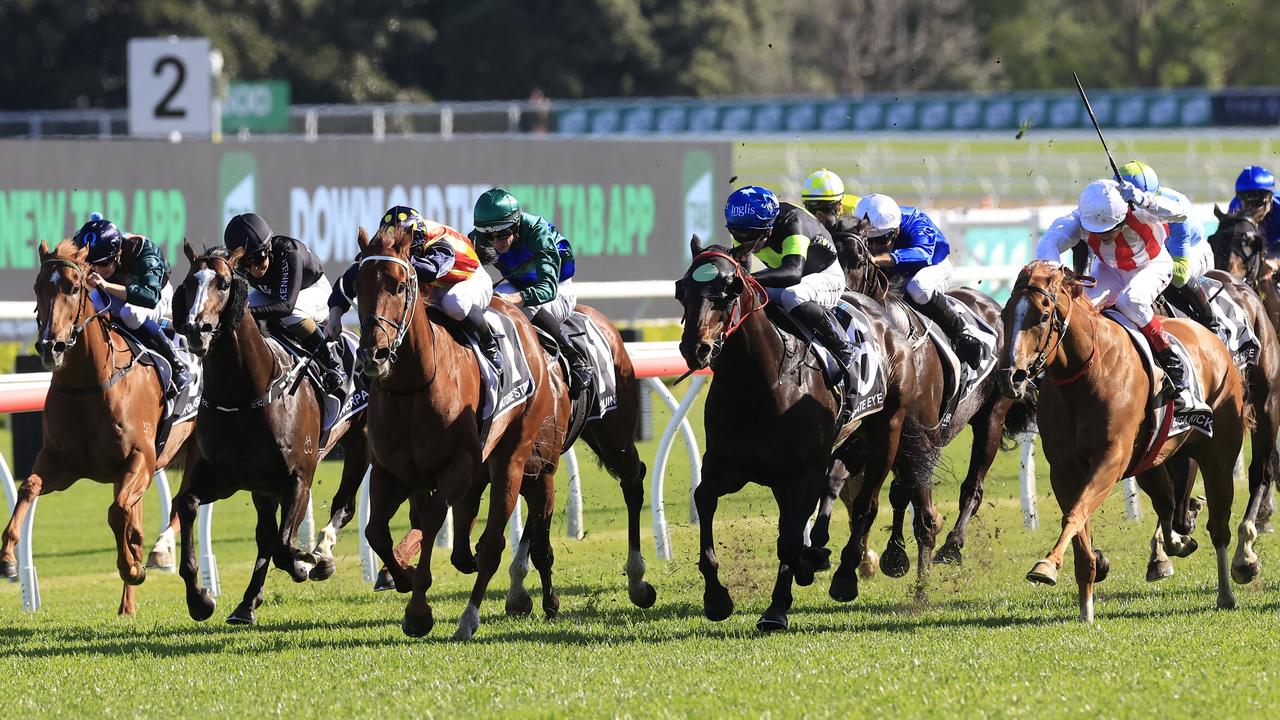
point(1256, 195)
point(1187, 245)
point(910, 244)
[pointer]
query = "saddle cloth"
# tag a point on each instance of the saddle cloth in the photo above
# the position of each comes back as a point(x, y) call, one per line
point(338, 406)
point(582, 331)
point(505, 392)
point(959, 379)
point(868, 392)
point(1234, 323)
point(178, 408)
point(1190, 409)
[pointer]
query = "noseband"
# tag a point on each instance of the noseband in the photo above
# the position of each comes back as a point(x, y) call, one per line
point(737, 313)
point(400, 327)
point(44, 342)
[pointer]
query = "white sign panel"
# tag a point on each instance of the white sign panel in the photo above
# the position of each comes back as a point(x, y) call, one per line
point(170, 86)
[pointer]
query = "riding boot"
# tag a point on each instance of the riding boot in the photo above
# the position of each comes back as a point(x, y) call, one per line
point(151, 336)
point(331, 375)
point(827, 330)
point(1198, 296)
point(967, 347)
point(475, 322)
point(1174, 372)
point(579, 369)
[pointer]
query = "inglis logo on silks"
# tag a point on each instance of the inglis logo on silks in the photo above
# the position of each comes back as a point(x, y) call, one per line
point(697, 184)
point(237, 184)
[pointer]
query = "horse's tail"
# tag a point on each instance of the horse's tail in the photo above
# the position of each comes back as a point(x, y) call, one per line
point(1020, 420)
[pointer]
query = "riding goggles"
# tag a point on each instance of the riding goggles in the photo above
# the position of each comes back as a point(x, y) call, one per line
point(496, 230)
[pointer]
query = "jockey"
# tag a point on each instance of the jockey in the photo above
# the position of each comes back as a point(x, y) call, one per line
point(289, 288)
point(134, 278)
point(1125, 227)
point(824, 196)
point(916, 248)
point(447, 265)
point(802, 274)
point(537, 269)
point(1256, 194)
point(1192, 256)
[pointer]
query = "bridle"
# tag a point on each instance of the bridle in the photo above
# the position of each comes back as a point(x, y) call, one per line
point(874, 282)
point(401, 326)
point(1236, 245)
point(44, 342)
point(1058, 324)
point(738, 314)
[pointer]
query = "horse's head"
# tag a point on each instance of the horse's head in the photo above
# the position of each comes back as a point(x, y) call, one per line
point(63, 307)
point(718, 294)
point(386, 292)
point(1035, 319)
point(1238, 245)
point(857, 257)
point(210, 302)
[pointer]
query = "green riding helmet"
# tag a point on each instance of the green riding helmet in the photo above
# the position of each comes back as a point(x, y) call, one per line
point(496, 209)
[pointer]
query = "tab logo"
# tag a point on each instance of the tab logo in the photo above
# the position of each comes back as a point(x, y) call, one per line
point(237, 184)
point(697, 184)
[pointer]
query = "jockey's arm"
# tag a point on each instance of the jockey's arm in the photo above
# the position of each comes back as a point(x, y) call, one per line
point(344, 291)
point(1062, 235)
point(783, 269)
point(147, 275)
point(287, 293)
point(434, 262)
point(1164, 208)
point(546, 265)
point(921, 236)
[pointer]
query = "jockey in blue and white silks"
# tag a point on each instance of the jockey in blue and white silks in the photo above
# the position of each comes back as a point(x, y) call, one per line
point(1256, 194)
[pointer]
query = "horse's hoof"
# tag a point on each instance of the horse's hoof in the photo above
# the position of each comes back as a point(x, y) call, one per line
point(242, 616)
point(1044, 573)
point(9, 569)
point(1246, 573)
point(949, 554)
point(323, 570)
point(817, 558)
point(136, 576)
point(551, 606)
point(644, 596)
point(1101, 566)
point(1265, 527)
point(772, 622)
point(407, 584)
point(844, 586)
point(1226, 602)
point(870, 565)
point(802, 573)
point(463, 561)
point(1189, 545)
point(520, 606)
point(895, 563)
point(717, 604)
point(162, 561)
point(384, 581)
point(416, 626)
point(200, 606)
point(1159, 570)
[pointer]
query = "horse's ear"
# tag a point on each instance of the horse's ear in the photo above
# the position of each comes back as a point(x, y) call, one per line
point(362, 239)
point(81, 254)
point(44, 251)
point(189, 251)
point(695, 245)
point(234, 258)
point(1217, 211)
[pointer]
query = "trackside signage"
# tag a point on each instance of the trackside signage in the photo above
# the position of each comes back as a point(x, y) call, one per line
point(628, 207)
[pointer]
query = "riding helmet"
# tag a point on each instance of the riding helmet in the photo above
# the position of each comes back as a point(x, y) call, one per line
point(102, 237)
point(496, 210)
point(1141, 175)
point(1255, 177)
point(881, 211)
point(751, 208)
point(248, 231)
point(1101, 206)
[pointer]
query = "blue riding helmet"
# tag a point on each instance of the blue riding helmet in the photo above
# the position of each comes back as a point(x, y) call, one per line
point(1255, 177)
point(1141, 175)
point(751, 208)
point(102, 237)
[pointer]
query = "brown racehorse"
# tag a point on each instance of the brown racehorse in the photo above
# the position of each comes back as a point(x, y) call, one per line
point(1092, 415)
point(259, 429)
point(425, 435)
point(100, 414)
point(1239, 248)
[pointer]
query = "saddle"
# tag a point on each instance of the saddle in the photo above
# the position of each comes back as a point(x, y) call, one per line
point(959, 380)
point(176, 408)
point(335, 407)
point(600, 397)
point(500, 392)
point(1233, 323)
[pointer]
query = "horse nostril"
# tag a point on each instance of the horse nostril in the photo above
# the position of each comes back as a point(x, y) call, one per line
point(59, 347)
point(704, 349)
point(206, 328)
point(382, 354)
point(1019, 376)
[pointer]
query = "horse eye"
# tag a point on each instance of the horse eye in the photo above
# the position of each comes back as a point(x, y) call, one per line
point(403, 286)
point(223, 283)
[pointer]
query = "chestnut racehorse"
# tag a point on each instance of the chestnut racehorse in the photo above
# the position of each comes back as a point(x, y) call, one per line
point(100, 415)
point(1093, 418)
point(424, 431)
point(259, 429)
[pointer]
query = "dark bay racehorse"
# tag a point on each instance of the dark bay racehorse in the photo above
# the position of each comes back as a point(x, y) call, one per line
point(425, 435)
point(986, 410)
point(770, 418)
point(100, 416)
point(1092, 415)
point(259, 429)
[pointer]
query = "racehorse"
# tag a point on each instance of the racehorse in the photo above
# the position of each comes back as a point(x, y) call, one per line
point(1092, 415)
point(258, 429)
point(986, 411)
point(425, 433)
point(770, 418)
point(100, 416)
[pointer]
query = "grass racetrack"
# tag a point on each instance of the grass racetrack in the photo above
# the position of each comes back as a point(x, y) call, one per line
point(986, 643)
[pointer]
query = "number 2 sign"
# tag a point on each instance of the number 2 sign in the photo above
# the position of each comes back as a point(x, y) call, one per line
point(170, 86)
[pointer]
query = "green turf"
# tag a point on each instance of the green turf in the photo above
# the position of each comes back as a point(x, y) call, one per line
point(986, 642)
point(982, 169)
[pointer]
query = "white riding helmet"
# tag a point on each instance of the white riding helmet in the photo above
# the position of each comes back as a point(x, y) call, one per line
point(881, 210)
point(1101, 206)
